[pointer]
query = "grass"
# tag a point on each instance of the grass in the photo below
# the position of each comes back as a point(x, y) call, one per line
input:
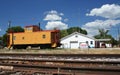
point(67, 51)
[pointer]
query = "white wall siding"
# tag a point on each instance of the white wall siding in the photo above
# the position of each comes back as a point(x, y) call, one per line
point(74, 45)
point(75, 40)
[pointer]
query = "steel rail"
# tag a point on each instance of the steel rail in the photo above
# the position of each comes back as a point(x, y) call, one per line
point(62, 62)
point(38, 54)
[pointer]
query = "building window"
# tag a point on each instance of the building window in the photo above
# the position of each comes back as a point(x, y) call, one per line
point(86, 42)
point(91, 42)
point(14, 37)
point(76, 36)
point(43, 36)
point(29, 28)
point(23, 38)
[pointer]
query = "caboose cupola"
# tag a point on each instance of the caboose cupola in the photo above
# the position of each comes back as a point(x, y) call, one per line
point(32, 28)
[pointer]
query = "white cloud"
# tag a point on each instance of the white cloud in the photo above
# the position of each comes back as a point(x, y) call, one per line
point(56, 24)
point(92, 27)
point(53, 12)
point(65, 20)
point(53, 15)
point(61, 14)
point(110, 11)
point(55, 20)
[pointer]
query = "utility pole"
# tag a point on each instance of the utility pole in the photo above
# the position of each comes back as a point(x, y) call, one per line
point(11, 31)
point(39, 26)
point(118, 36)
point(9, 25)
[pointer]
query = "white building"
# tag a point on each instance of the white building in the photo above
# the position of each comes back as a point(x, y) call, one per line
point(77, 40)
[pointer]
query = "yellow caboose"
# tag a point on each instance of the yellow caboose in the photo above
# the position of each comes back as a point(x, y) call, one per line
point(34, 37)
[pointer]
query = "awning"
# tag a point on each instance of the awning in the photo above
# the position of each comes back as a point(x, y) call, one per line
point(102, 39)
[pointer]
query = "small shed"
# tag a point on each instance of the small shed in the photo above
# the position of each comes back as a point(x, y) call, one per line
point(77, 40)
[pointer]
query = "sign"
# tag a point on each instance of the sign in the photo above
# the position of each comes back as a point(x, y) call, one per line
point(83, 45)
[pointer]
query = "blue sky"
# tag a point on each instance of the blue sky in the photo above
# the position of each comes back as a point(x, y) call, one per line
point(87, 14)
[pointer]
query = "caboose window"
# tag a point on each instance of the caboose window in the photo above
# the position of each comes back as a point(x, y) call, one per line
point(14, 37)
point(44, 36)
point(29, 28)
point(23, 38)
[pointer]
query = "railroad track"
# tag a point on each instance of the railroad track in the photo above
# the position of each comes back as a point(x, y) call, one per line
point(60, 64)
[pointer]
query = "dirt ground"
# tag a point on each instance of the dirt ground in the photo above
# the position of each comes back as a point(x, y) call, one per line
point(66, 51)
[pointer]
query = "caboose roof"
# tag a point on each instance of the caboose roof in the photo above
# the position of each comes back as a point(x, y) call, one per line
point(31, 26)
point(37, 31)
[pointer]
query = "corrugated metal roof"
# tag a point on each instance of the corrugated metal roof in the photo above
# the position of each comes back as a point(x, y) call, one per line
point(78, 34)
point(102, 39)
point(84, 36)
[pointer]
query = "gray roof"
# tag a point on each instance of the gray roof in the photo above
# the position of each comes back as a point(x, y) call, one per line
point(78, 34)
point(84, 36)
point(103, 39)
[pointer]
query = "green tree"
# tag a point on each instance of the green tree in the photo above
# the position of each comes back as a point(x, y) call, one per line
point(76, 29)
point(84, 32)
point(71, 30)
point(11, 29)
point(114, 42)
point(4, 39)
point(15, 29)
point(0, 38)
point(63, 33)
point(103, 34)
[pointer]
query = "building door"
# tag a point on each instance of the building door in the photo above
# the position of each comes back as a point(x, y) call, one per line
point(97, 44)
point(74, 45)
